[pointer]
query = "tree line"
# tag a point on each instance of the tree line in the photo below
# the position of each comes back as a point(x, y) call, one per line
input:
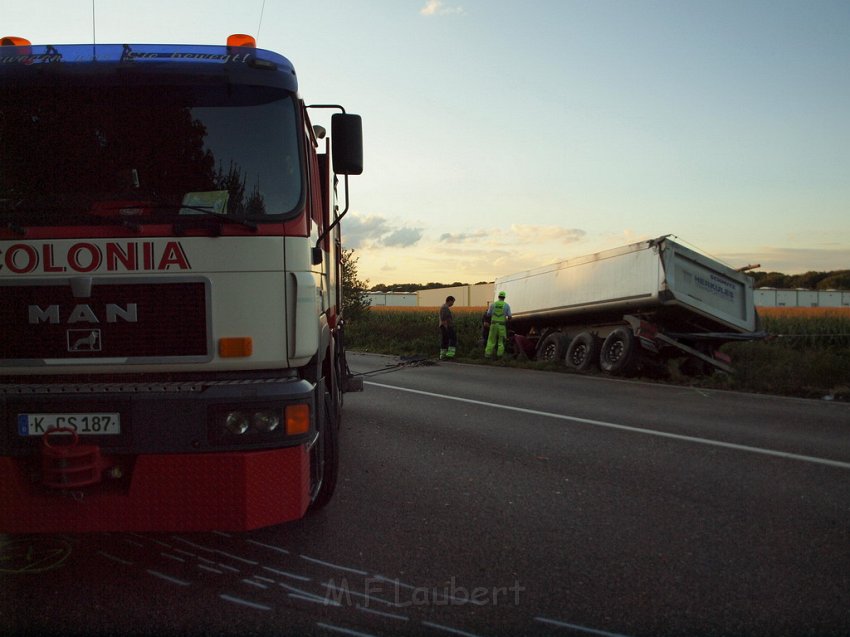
point(415, 287)
point(812, 280)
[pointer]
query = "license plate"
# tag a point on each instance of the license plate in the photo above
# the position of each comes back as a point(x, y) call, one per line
point(83, 424)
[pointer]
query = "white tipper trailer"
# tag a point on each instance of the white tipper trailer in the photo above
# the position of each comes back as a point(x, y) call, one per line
point(637, 305)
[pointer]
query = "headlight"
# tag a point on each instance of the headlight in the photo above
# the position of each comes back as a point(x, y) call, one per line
point(236, 422)
point(266, 421)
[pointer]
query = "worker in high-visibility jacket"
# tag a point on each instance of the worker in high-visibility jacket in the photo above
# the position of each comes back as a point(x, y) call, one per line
point(499, 313)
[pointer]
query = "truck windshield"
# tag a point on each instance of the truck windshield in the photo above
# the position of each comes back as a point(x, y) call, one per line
point(70, 152)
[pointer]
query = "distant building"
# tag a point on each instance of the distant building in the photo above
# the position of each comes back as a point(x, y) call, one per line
point(392, 299)
point(478, 295)
point(776, 297)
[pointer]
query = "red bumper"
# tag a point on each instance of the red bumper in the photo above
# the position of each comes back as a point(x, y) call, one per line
point(192, 492)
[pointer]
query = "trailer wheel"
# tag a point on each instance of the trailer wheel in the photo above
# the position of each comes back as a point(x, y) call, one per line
point(617, 355)
point(553, 347)
point(583, 352)
point(327, 456)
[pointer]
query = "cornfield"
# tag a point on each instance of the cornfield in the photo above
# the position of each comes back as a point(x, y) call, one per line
point(409, 331)
point(808, 327)
point(435, 310)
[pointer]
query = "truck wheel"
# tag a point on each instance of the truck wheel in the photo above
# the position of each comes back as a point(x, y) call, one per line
point(617, 355)
point(583, 352)
point(328, 456)
point(553, 347)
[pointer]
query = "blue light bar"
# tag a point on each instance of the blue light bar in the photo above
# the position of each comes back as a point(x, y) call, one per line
point(205, 58)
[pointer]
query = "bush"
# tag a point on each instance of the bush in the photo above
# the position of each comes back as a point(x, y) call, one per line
point(404, 331)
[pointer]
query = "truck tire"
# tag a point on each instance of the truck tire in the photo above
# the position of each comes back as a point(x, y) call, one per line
point(583, 352)
point(553, 347)
point(618, 353)
point(329, 456)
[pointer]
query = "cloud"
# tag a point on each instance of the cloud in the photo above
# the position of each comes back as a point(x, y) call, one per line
point(402, 238)
point(436, 7)
point(549, 234)
point(395, 253)
point(362, 231)
point(517, 234)
point(462, 237)
point(375, 231)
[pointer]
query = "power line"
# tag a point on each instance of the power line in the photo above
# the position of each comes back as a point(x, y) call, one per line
point(262, 10)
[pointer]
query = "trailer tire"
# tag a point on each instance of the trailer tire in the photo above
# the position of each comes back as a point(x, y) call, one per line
point(553, 347)
point(618, 353)
point(329, 456)
point(583, 352)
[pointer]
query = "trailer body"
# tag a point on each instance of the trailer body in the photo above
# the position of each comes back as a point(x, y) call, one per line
point(660, 292)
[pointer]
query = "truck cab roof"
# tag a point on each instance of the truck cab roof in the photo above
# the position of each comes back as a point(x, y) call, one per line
point(240, 64)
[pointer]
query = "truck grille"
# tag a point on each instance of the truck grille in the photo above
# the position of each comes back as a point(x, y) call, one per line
point(142, 322)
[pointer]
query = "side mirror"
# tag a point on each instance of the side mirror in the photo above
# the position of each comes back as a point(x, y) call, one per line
point(347, 140)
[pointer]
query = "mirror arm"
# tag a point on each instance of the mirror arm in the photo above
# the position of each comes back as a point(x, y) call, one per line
point(317, 250)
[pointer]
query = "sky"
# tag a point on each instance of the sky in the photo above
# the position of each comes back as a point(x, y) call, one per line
point(502, 135)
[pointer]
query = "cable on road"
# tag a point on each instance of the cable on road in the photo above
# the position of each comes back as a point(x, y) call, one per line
point(417, 360)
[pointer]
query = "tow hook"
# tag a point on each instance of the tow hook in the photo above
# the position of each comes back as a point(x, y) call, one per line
point(70, 465)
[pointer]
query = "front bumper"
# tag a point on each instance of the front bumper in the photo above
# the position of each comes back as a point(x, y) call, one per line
point(169, 469)
point(230, 491)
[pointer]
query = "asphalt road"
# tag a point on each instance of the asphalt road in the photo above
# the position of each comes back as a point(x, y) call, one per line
point(483, 500)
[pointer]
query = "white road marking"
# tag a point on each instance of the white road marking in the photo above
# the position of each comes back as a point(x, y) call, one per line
point(344, 631)
point(661, 434)
point(244, 602)
point(301, 593)
point(115, 559)
point(269, 546)
point(381, 613)
point(314, 600)
point(449, 629)
point(582, 629)
point(168, 578)
point(219, 552)
point(336, 566)
point(227, 568)
point(286, 574)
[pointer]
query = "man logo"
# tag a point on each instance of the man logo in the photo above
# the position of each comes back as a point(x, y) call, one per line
point(84, 341)
point(83, 314)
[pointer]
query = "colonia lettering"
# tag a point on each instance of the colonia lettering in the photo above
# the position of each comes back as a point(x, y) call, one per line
point(85, 257)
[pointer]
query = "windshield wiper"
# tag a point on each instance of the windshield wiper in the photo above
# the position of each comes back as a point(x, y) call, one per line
point(208, 213)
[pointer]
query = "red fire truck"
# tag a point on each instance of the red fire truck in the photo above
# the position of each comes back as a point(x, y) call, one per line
point(172, 354)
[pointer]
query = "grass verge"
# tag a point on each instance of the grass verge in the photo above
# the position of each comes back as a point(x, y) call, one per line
point(806, 354)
